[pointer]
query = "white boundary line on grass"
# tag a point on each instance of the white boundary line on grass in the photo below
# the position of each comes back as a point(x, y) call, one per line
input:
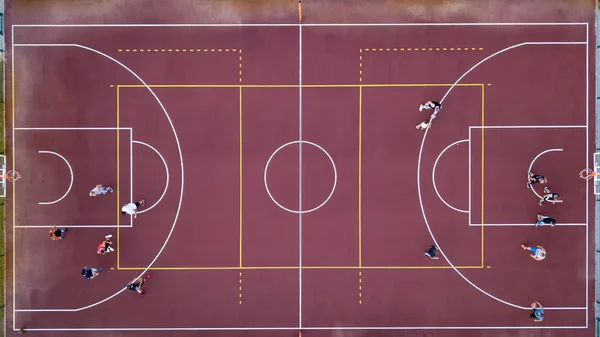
point(71, 45)
point(433, 177)
point(419, 171)
point(70, 184)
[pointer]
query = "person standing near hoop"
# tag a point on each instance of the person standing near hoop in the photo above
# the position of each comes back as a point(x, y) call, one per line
point(131, 208)
point(535, 178)
point(544, 220)
point(550, 196)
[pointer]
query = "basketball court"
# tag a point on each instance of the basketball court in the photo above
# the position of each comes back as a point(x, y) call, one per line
point(287, 190)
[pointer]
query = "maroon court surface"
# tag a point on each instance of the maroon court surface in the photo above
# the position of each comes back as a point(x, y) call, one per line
point(286, 187)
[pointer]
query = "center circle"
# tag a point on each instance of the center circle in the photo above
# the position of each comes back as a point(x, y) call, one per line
point(334, 177)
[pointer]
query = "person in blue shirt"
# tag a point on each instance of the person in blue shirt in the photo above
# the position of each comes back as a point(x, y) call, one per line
point(544, 220)
point(538, 312)
point(90, 273)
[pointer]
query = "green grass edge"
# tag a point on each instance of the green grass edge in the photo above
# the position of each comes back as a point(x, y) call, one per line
point(2, 205)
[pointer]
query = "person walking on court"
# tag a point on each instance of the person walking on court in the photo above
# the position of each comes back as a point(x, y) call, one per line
point(432, 253)
point(544, 220)
point(534, 179)
point(550, 196)
point(436, 106)
point(426, 123)
point(90, 273)
point(105, 246)
point(57, 233)
point(538, 253)
point(131, 208)
point(99, 189)
point(538, 312)
point(137, 283)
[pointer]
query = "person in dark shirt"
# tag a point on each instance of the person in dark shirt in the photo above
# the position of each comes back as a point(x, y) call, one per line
point(136, 284)
point(90, 273)
point(535, 178)
point(550, 196)
point(57, 233)
point(543, 220)
point(436, 106)
point(432, 253)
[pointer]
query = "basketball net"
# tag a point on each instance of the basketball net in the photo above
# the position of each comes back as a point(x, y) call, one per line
point(587, 174)
point(12, 176)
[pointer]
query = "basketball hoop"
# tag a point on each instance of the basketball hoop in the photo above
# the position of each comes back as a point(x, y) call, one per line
point(12, 176)
point(587, 174)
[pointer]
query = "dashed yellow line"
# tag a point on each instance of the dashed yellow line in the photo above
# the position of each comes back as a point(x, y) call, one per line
point(421, 49)
point(240, 52)
point(359, 287)
point(154, 50)
point(360, 66)
point(240, 285)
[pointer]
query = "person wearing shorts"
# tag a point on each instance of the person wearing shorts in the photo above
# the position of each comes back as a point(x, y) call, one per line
point(425, 124)
point(136, 284)
point(57, 233)
point(431, 253)
point(105, 246)
point(131, 208)
point(99, 189)
point(90, 273)
point(436, 106)
point(538, 312)
point(549, 196)
point(544, 220)
point(538, 253)
point(535, 178)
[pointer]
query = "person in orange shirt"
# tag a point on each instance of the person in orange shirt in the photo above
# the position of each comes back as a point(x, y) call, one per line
point(57, 233)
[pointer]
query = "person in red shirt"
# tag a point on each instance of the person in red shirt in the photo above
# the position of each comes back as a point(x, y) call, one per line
point(105, 246)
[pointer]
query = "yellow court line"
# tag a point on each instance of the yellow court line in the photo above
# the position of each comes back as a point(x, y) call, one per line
point(482, 172)
point(240, 176)
point(296, 85)
point(360, 176)
point(303, 267)
point(118, 178)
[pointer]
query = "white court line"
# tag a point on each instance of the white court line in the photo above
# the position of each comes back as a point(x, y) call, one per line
point(166, 172)
point(531, 166)
point(300, 177)
point(523, 224)
point(587, 158)
point(332, 188)
point(528, 127)
point(76, 226)
point(313, 24)
point(181, 165)
point(419, 169)
point(544, 327)
point(73, 129)
point(433, 177)
point(70, 184)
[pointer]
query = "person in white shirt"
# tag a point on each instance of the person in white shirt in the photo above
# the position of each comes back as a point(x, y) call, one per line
point(99, 189)
point(131, 208)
